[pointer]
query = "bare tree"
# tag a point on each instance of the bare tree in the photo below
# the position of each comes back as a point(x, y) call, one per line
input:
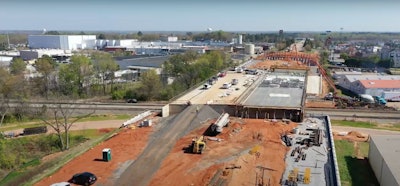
point(4, 108)
point(61, 117)
point(104, 66)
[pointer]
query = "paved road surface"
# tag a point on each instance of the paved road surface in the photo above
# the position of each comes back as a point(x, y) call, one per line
point(141, 171)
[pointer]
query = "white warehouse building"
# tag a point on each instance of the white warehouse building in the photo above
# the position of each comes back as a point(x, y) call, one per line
point(374, 84)
point(63, 42)
point(384, 151)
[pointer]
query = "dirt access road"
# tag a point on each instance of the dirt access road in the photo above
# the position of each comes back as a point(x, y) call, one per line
point(83, 125)
point(146, 165)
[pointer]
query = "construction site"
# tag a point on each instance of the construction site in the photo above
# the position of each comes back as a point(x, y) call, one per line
point(251, 132)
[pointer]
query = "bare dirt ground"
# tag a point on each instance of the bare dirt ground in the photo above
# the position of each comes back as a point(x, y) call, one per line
point(268, 63)
point(125, 147)
point(358, 134)
point(84, 125)
point(319, 104)
point(244, 144)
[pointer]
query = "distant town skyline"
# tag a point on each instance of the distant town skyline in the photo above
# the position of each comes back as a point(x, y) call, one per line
point(180, 15)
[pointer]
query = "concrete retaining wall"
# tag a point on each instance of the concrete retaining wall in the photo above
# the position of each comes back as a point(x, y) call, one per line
point(332, 154)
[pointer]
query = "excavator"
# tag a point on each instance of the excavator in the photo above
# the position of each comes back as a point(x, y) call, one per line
point(198, 145)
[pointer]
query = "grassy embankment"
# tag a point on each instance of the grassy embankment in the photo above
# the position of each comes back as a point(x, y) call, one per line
point(35, 123)
point(31, 167)
point(354, 167)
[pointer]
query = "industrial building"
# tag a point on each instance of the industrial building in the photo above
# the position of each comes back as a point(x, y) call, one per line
point(32, 54)
point(384, 151)
point(63, 42)
point(5, 61)
point(372, 84)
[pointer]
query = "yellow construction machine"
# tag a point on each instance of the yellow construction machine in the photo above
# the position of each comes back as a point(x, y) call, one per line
point(198, 145)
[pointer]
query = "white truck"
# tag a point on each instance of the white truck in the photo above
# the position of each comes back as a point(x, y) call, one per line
point(391, 96)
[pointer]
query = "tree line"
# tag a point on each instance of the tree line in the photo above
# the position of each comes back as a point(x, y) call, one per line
point(93, 76)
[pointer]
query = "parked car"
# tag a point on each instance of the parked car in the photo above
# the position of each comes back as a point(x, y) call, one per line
point(235, 81)
point(222, 74)
point(84, 178)
point(206, 86)
point(131, 101)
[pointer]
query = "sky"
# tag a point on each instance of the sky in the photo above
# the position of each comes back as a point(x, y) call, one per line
point(199, 15)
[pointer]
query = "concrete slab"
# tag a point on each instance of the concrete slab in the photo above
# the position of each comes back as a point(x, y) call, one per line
point(278, 90)
point(314, 85)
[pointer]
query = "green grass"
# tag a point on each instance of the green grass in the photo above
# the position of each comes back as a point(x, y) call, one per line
point(35, 170)
point(88, 133)
point(31, 163)
point(363, 124)
point(354, 171)
point(106, 117)
point(360, 124)
point(11, 176)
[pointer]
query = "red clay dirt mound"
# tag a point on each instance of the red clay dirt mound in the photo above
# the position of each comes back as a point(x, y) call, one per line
point(125, 146)
point(320, 104)
point(351, 136)
point(246, 147)
point(267, 64)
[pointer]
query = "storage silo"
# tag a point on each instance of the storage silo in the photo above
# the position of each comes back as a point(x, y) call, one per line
point(240, 39)
point(249, 49)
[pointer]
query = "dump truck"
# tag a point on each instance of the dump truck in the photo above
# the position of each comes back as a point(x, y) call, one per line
point(198, 145)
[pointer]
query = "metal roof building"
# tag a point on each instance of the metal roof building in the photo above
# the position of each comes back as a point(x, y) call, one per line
point(384, 153)
point(64, 42)
point(373, 85)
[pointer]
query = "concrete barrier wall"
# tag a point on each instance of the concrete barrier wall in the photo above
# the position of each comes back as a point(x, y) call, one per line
point(165, 110)
point(332, 154)
point(240, 111)
point(259, 113)
point(176, 108)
